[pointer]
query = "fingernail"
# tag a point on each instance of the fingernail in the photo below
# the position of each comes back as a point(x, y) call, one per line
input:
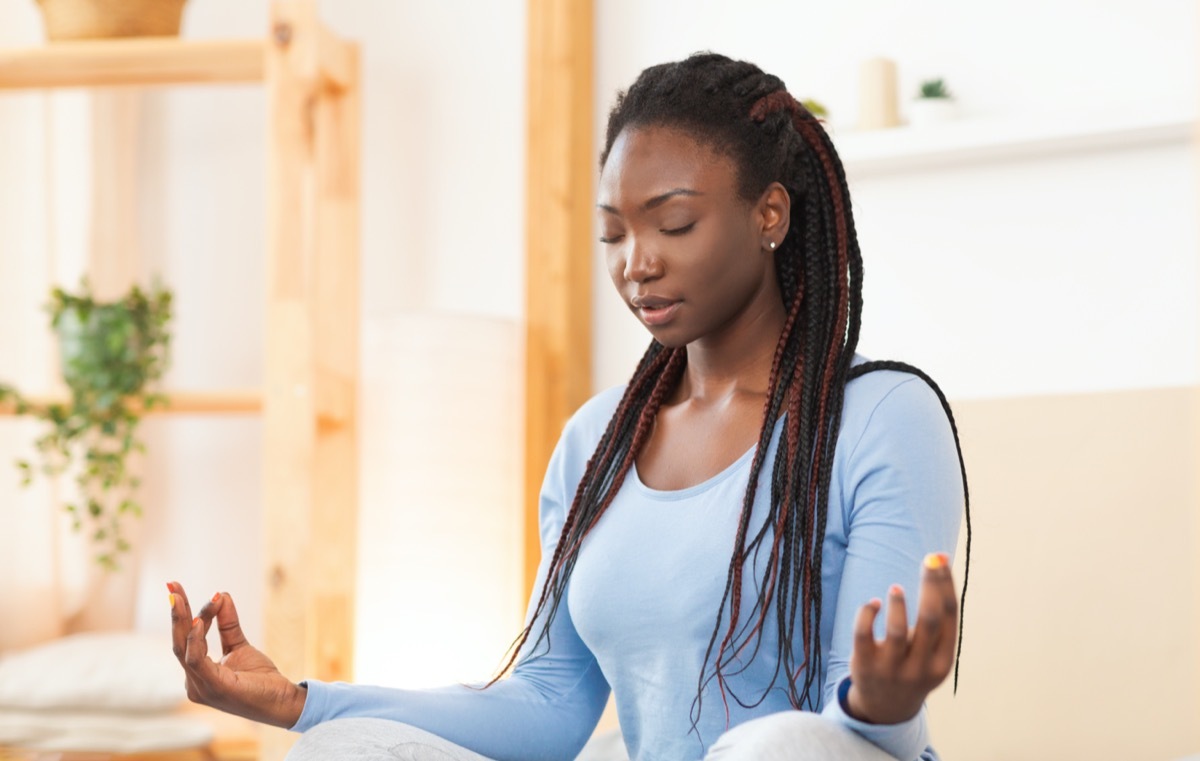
point(195, 620)
point(216, 597)
point(169, 587)
point(936, 560)
point(895, 590)
point(172, 597)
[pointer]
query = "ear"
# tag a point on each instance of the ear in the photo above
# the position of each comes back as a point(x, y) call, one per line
point(774, 214)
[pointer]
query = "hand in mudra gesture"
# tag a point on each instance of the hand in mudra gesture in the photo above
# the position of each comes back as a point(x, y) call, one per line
point(245, 682)
point(890, 678)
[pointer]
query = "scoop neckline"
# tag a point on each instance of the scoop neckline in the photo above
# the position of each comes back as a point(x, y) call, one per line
point(691, 491)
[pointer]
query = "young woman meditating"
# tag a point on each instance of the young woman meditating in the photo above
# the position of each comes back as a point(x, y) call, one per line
point(718, 534)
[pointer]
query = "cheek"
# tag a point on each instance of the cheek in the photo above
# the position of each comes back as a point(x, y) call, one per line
point(614, 261)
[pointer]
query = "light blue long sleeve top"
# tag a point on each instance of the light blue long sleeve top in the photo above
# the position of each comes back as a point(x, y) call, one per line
point(642, 601)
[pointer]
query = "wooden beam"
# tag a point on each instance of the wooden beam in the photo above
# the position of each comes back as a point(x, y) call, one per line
point(335, 304)
point(338, 60)
point(132, 61)
point(289, 406)
point(559, 213)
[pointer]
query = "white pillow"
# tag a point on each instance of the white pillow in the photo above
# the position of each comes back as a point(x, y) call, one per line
point(95, 732)
point(118, 671)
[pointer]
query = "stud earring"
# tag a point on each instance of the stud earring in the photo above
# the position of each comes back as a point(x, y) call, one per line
point(772, 244)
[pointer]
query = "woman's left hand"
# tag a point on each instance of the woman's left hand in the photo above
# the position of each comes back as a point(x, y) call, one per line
point(889, 679)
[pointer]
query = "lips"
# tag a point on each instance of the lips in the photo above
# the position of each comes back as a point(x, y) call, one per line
point(652, 302)
point(655, 310)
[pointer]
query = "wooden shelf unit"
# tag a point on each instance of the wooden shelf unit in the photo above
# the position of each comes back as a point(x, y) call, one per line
point(309, 401)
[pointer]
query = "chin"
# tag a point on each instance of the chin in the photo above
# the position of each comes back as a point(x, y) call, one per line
point(669, 337)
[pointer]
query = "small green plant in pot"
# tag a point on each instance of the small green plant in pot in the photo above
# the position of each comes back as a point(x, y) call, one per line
point(934, 104)
point(113, 353)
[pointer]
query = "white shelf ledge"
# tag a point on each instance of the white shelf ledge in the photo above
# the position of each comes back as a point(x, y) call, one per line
point(974, 140)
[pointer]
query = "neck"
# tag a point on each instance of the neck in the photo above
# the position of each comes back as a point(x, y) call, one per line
point(736, 360)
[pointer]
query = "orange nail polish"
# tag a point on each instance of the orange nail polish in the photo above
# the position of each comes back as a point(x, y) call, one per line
point(895, 590)
point(169, 587)
point(172, 598)
point(195, 620)
point(935, 560)
point(216, 597)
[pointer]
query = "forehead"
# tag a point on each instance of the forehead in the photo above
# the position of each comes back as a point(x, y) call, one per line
point(646, 161)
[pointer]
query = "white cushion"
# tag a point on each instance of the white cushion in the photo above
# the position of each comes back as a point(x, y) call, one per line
point(115, 671)
point(97, 732)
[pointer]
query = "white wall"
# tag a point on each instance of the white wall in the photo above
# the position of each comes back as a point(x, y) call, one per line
point(1037, 276)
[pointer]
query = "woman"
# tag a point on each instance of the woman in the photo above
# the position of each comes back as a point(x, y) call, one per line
point(749, 422)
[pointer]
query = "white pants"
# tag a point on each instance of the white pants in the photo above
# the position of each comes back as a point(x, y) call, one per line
point(785, 736)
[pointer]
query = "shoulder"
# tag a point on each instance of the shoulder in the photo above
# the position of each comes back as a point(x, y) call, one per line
point(587, 424)
point(576, 444)
point(898, 460)
point(896, 403)
point(582, 432)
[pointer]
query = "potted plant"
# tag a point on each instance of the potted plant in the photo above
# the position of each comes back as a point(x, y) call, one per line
point(95, 19)
point(112, 355)
point(933, 104)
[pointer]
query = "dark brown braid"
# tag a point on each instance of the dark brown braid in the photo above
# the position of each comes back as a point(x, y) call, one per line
point(748, 115)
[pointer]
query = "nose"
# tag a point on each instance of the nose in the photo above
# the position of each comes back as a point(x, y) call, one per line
point(640, 264)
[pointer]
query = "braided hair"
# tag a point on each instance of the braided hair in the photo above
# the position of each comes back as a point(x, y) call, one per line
point(745, 114)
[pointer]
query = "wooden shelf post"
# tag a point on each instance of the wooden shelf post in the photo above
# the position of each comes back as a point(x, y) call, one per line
point(558, 345)
point(310, 482)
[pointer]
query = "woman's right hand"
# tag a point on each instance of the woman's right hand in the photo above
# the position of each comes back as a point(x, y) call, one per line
point(245, 683)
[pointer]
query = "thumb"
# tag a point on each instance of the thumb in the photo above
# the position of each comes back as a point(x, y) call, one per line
point(228, 625)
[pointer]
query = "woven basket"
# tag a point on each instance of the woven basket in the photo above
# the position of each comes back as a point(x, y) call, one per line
point(92, 19)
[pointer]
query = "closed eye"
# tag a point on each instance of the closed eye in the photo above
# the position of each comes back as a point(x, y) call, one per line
point(613, 239)
point(679, 230)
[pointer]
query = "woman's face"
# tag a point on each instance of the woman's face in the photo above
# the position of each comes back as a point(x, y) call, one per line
point(687, 254)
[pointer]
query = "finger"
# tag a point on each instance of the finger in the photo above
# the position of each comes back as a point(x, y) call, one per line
point(196, 655)
point(896, 638)
point(181, 619)
point(864, 631)
point(228, 624)
point(943, 654)
point(931, 611)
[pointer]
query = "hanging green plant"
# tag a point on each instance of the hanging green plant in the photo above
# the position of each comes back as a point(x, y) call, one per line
point(112, 355)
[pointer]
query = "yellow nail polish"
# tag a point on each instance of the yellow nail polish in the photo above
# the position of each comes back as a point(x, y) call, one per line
point(172, 597)
point(935, 560)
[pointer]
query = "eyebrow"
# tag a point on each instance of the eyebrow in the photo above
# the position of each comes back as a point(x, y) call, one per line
point(656, 201)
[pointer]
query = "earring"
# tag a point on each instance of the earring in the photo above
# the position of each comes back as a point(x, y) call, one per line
point(772, 244)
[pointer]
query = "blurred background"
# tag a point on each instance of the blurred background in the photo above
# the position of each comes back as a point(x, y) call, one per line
point(1037, 255)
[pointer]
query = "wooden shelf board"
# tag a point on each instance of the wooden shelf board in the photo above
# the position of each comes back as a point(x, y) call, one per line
point(140, 61)
point(182, 403)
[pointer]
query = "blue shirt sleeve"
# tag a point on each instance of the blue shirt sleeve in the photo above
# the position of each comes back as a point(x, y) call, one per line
point(902, 498)
point(545, 710)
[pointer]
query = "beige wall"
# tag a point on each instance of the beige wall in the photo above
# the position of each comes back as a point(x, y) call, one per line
point(1081, 634)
